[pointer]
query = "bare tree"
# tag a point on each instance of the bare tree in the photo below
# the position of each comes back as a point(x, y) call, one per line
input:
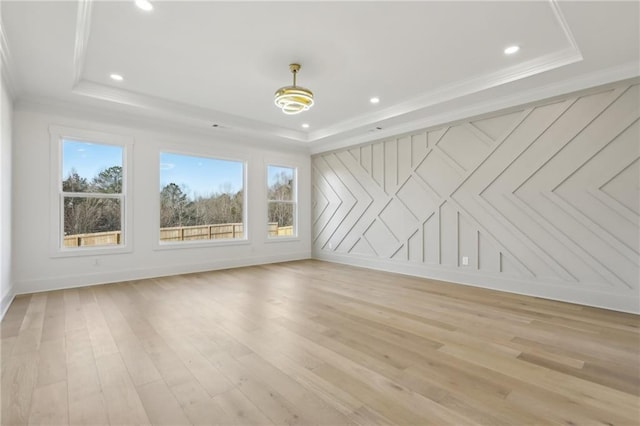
point(83, 215)
point(173, 206)
point(279, 191)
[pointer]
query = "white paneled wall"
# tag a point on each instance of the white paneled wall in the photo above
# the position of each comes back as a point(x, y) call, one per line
point(35, 269)
point(6, 118)
point(543, 201)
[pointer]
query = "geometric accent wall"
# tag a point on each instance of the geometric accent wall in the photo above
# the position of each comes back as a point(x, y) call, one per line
point(543, 200)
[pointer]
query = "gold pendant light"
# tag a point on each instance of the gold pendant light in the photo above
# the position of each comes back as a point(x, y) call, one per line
point(293, 99)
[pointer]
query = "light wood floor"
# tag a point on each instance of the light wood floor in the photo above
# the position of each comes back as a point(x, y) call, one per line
point(311, 342)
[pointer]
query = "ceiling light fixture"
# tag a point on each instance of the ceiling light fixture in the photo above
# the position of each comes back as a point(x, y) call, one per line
point(374, 100)
point(305, 126)
point(511, 50)
point(144, 5)
point(293, 99)
point(116, 77)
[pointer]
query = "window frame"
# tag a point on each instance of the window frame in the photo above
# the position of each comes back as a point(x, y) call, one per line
point(172, 245)
point(58, 135)
point(293, 201)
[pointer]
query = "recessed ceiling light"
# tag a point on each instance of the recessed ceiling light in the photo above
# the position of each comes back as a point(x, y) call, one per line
point(305, 126)
point(116, 77)
point(144, 5)
point(374, 100)
point(511, 50)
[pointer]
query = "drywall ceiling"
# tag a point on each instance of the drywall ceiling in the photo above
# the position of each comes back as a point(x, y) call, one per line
point(204, 63)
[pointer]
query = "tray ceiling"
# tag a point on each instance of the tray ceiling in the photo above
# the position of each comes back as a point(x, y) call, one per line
point(205, 63)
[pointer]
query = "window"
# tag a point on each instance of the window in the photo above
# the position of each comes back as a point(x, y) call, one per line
point(282, 201)
point(90, 182)
point(91, 194)
point(201, 199)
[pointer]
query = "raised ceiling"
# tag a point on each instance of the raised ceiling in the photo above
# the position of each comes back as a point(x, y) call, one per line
point(200, 63)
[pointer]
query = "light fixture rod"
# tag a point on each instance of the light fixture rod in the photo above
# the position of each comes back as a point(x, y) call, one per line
point(294, 69)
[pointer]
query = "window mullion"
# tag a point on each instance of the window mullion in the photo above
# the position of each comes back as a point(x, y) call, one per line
point(92, 195)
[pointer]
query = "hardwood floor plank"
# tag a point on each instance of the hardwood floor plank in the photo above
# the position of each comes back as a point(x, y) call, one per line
point(198, 405)
point(30, 333)
point(239, 410)
point(86, 400)
point(311, 342)
point(213, 381)
point(261, 394)
point(90, 410)
point(365, 416)
point(49, 405)
point(160, 405)
point(296, 394)
point(18, 382)
point(73, 313)
point(52, 364)
point(168, 364)
point(101, 339)
point(121, 397)
point(584, 392)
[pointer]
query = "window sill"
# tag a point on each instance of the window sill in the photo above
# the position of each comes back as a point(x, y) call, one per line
point(199, 244)
point(282, 239)
point(90, 251)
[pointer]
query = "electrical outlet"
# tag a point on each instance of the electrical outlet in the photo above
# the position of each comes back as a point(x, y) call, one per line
point(465, 260)
point(96, 262)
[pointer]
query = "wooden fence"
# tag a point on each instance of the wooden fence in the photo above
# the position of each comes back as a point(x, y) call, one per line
point(95, 239)
point(180, 233)
point(202, 232)
point(279, 231)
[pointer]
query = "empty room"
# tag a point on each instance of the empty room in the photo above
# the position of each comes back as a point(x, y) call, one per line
point(320, 212)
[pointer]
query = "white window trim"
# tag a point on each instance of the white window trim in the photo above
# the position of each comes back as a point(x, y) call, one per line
point(283, 238)
point(180, 245)
point(57, 135)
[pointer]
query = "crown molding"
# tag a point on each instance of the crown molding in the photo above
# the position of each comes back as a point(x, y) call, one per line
point(629, 71)
point(569, 55)
point(183, 113)
point(83, 29)
point(454, 91)
point(159, 126)
point(555, 7)
point(8, 71)
point(203, 117)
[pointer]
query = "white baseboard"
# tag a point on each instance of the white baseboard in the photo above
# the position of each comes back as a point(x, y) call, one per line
point(5, 302)
point(74, 281)
point(589, 296)
point(555, 291)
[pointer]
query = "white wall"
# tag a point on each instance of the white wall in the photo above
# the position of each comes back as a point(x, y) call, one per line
point(36, 270)
point(542, 200)
point(6, 117)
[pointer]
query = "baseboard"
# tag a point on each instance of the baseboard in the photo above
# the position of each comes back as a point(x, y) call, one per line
point(628, 301)
point(6, 301)
point(75, 281)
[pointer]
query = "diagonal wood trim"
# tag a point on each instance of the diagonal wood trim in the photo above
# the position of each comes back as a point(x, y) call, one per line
point(531, 194)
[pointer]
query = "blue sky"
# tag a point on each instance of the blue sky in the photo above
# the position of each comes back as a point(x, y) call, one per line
point(89, 159)
point(273, 171)
point(200, 176)
point(197, 176)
